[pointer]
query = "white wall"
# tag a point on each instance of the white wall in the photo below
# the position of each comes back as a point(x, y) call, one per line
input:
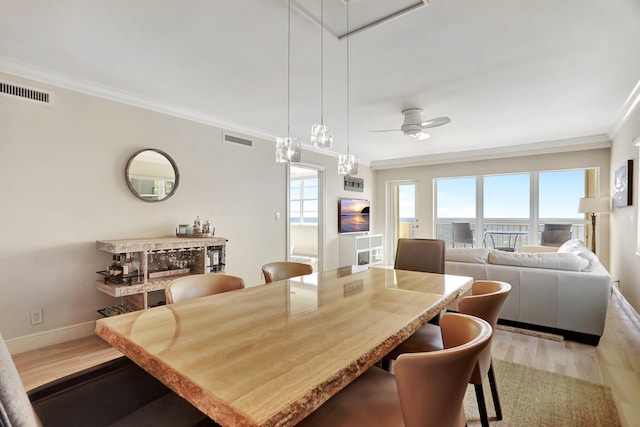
point(425, 175)
point(625, 261)
point(62, 169)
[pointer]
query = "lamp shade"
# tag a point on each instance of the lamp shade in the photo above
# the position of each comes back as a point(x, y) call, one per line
point(594, 205)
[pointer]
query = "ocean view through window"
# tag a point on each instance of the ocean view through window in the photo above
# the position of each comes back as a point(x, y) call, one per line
point(521, 204)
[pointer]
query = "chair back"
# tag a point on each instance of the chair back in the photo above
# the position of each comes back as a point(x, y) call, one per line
point(432, 385)
point(462, 233)
point(15, 407)
point(200, 285)
point(485, 302)
point(281, 270)
point(426, 255)
point(555, 234)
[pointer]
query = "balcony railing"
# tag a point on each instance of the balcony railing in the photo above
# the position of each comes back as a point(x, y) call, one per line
point(505, 235)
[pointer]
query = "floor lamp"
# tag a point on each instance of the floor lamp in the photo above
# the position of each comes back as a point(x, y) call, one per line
point(594, 206)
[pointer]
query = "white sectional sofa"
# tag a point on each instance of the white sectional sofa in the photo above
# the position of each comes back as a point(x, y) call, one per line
point(565, 292)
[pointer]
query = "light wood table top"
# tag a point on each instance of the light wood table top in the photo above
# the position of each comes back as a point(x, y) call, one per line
point(269, 355)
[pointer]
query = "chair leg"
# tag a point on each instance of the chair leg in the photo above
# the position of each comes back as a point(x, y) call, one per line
point(494, 392)
point(482, 406)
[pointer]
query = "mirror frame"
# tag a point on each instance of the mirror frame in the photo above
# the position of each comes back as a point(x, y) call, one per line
point(173, 165)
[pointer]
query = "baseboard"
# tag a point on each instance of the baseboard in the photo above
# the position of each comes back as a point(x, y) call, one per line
point(631, 312)
point(568, 335)
point(50, 337)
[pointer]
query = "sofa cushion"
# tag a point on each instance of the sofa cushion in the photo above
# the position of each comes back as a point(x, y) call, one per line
point(577, 247)
point(551, 260)
point(572, 246)
point(473, 255)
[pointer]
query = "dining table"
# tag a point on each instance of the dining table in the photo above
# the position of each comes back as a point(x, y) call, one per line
point(270, 354)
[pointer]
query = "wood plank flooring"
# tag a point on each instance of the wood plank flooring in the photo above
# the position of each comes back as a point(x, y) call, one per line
point(615, 362)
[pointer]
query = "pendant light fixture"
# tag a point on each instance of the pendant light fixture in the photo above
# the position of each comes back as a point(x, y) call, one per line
point(288, 149)
point(347, 163)
point(320, 135)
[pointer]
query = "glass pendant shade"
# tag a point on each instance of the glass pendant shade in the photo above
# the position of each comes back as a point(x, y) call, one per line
point(288, 150)
point(321, 137)
point(347, 164)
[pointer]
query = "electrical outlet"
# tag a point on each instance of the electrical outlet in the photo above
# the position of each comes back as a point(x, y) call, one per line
point(36, 317)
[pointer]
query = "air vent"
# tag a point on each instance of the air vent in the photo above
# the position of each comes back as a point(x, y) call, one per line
point(237, 140)
point(23, 92)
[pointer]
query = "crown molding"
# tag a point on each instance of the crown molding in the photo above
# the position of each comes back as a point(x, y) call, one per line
point(630, 104)
point(42, 75)
point(31, 72)
point(592, 142)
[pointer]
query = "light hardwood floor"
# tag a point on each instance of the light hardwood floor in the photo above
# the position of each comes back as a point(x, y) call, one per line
point(615, 362)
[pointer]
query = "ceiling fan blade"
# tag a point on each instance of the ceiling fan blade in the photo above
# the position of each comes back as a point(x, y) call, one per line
point(386, 130)
point(432, 123)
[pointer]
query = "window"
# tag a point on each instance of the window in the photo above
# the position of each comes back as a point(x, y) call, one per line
point(512, 205)
point(456, 197)
point(507, 196)
point(303, 201)
point(559, 193)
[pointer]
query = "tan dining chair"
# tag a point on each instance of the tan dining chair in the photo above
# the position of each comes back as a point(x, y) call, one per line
point(426, 255)
point(200, 285)
point(427, 390)
point(485, 302)
point(281, 270)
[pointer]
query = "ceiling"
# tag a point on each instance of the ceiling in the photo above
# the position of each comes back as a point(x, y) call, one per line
point(514, 76)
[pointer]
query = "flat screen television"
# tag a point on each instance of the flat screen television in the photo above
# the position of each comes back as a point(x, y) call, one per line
point(353, 215)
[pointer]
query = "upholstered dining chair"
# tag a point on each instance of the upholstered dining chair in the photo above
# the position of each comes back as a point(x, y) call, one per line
point(485, 302)
point(426, 255)
point(427, 389)
point(200, 285)
point(281, 270)
point(117, 392)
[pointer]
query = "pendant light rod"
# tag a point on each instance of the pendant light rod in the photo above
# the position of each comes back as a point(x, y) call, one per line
point(347, 163)
point(289, 70)
point(348, 87)
point(321, 62)
point(321, 137)
point(288, 149)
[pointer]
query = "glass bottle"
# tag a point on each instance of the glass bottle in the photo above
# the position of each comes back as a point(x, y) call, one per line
point(127, 268)
point(197, 225)
point(115, 270)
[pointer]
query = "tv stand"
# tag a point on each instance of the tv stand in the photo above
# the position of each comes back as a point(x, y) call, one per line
point(360, 249)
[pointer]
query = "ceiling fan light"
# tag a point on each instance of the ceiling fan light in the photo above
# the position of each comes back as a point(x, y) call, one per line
point(347, 164)
point(321, 137)
point(421, 136)
point(288, 150)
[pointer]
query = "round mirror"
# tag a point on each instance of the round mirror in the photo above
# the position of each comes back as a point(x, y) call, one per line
point(152, 175)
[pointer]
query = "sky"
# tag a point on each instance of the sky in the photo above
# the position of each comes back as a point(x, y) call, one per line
point(505, 196)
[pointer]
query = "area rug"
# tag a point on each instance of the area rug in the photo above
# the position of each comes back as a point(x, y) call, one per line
point(532, 397)
point(530, 332)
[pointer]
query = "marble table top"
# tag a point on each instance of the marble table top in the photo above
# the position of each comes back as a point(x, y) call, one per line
point(269, 355)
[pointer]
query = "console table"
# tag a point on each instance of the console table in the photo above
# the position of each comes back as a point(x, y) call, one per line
point(206, 255)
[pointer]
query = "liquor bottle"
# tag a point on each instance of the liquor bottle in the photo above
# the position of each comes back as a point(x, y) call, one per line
point(197, 225)
point(115, 270)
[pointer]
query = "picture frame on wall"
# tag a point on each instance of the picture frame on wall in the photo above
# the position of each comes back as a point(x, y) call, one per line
point(623, 185)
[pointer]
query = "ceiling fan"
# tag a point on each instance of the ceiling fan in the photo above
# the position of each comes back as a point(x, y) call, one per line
point(413, 124)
